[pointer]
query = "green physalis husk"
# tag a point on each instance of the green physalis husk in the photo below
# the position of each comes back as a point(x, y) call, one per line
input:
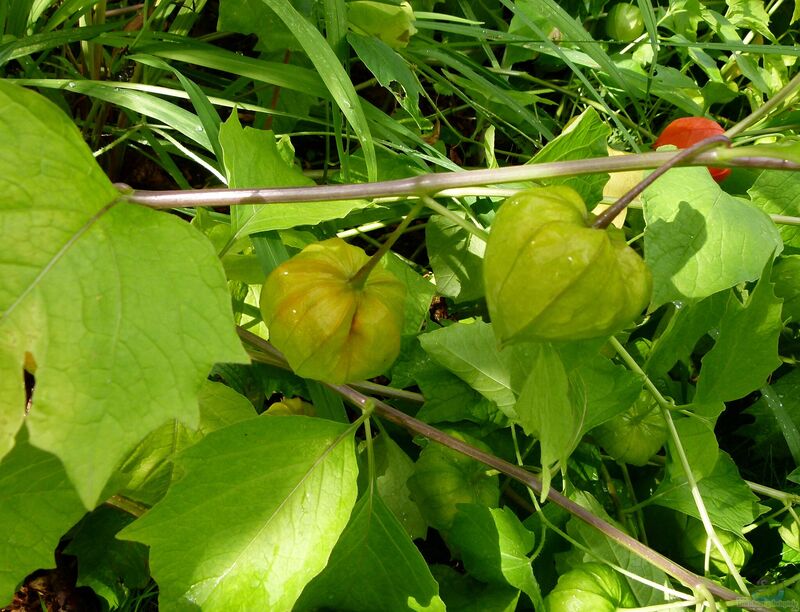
point(392, 23)
point(444, 478)
point(327, 328)
point(694, 542)
point(549, 276)
point(635, 435)
point(590, 587)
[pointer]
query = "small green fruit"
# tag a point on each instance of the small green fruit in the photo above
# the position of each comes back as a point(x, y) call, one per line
point(444, 478)
point(635, 435)
point(624, 22)
point(327, 328)
point(590, 587)
point(549, 276)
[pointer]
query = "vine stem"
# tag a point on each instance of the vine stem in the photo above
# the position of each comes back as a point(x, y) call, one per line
point(431, 184)
point(688, 578)
point(665, 406)
point(363, 273)
point(384, 410)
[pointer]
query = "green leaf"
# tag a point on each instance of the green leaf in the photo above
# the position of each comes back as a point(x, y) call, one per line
point(37, 506)
point(110, 567)
point(730, 503)
point(494, 544)
point(585, 137)
point(252, 159)
point(700, 240)
point(551, 409)
point(746, 350)
point(392, 469)
point(777, 417)
point(332, 73)
point(749, 15)
point(699, 441)
point(273, 35)
point(374, 566)
point(687, 324)
point(124, 310)
point(389, 67)
point(778, 193)
point(786, 276)
point(465, 594)
point(448, 398)
point(470, 352)
point(419, 293)
point(147, 472)
point(255, 517)
point(456, 257)
point(609, 388)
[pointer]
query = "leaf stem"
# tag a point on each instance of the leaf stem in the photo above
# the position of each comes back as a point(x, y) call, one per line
point(359, 280)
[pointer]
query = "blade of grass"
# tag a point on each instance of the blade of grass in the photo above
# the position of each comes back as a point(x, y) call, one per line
point(332, 74)
point(138, 101)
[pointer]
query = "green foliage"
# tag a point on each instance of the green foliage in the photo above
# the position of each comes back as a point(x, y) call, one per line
point(140, 380)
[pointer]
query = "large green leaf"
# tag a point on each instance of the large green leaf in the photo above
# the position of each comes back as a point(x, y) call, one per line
point(37, 506)
point(252, 159)
point(374, 566)
point(392, 469)
point(123, 310)
point(746, 351)
point(700, 240)
point(585, 137)
point(255, 517)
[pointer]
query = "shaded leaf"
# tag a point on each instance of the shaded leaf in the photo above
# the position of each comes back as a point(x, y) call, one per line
point(456, 258)
point(730, 503)
point(374, 566)
point(110, 567)
point(778, 193)
point(494, 544)
point(38, 504)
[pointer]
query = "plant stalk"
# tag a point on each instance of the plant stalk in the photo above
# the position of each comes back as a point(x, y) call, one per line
point(432, 184)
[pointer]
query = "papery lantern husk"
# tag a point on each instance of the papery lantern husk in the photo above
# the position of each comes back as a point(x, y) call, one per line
point(327, 328)
point(549, 276)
